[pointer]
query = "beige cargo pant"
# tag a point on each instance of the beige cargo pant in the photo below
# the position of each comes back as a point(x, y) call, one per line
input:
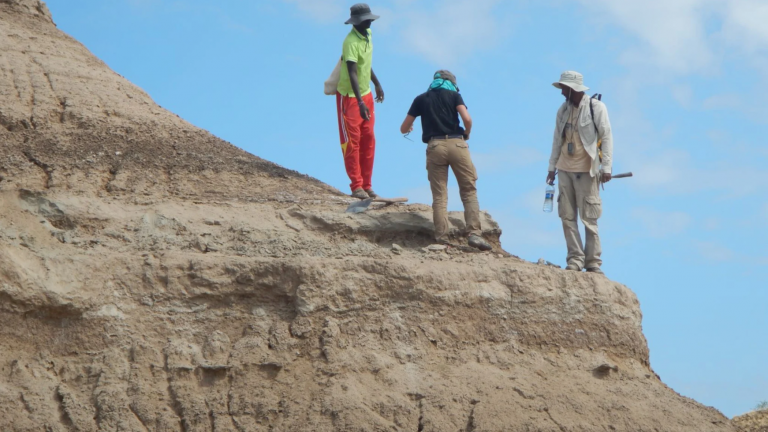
point(580, 193)
point(453, 153)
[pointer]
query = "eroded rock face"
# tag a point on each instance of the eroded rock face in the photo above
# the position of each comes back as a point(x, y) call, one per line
point(755, 421)
point(153, 277)
point(35, 8)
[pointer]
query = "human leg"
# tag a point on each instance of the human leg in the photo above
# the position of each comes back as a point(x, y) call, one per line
point(367, 144)
point(460, 162)
point(566, 209)
point(349, 132)
point(590, 209)
point(437, 169)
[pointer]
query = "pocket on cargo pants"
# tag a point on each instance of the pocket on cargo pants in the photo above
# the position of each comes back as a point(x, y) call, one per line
point(593, 207)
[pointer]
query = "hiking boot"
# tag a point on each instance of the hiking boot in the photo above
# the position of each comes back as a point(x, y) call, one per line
point(573, 267)
point(595, 270)
point(478, 242)
point(359, 194)
point(371, 193)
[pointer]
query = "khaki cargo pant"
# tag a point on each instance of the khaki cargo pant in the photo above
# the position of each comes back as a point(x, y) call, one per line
point(580, 194)
point(453, 153)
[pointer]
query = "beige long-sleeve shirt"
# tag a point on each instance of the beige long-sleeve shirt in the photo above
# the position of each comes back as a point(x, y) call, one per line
point(587, 133)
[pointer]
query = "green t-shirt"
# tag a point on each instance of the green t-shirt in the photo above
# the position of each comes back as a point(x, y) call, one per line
point(359, 49)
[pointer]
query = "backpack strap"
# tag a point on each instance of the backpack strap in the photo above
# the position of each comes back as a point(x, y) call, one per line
point(592, 110)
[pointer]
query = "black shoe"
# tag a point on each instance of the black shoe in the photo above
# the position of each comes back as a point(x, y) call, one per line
point(479, 243)
point(595, 270)
point(371, 193)
point(359, 194)
point(573, 267)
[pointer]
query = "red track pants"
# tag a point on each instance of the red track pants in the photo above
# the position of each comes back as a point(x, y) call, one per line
point(358, 144)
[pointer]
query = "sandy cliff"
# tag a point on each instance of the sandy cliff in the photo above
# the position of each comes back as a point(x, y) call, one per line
point(156, 278)
point(755, 421)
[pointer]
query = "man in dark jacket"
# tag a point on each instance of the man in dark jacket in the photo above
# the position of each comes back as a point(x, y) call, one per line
point(440, 108)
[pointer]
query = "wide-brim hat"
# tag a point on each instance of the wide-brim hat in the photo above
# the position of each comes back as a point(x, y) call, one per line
point(573, 80)
point(360, 12)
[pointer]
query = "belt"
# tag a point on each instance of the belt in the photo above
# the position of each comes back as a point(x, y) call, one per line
point(446, 137)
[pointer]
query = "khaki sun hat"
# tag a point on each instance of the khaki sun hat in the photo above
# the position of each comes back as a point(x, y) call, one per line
point(573, 80)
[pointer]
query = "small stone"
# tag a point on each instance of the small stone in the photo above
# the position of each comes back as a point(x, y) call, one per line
point(396, 249)
point(436, 247)
point(211, 222)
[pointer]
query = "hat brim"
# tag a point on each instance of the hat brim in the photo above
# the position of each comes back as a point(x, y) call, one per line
point(355, 20)
point(577, 87)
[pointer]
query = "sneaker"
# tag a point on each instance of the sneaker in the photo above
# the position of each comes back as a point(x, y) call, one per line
point(479, 243)
point(573, 267)
point(359, 194)
point(595, 270)
point(371, 193)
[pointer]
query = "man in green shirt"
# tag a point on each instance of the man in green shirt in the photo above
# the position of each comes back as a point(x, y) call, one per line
point(354, 102)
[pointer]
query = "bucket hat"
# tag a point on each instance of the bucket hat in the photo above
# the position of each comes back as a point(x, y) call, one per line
point(573, 80)
point(360, 12)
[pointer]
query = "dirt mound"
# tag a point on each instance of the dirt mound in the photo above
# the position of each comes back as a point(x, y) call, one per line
point(154, 277)
point(755, 421)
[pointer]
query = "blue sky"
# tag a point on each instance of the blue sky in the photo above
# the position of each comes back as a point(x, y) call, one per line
point(685, 86)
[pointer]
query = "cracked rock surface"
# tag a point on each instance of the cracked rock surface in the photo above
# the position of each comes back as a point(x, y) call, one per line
point(156, 278)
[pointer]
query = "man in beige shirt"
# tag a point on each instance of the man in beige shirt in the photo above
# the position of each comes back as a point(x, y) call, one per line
point(582, 122)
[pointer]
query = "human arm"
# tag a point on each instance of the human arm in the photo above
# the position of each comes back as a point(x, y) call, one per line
point(377, 87)
point(407, 126)
point(606, 135)
point(556, 147)
point(352, 69)
point(466, 119)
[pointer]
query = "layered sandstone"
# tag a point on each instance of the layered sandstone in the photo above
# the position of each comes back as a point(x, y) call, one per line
point(156, 278)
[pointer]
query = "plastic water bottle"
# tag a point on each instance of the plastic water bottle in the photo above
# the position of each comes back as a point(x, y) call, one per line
point(549, 198)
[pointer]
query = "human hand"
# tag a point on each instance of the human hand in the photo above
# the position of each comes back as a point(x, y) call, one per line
point(606, 177)
point(379, 94)
point(364, 112)
point(551, 178)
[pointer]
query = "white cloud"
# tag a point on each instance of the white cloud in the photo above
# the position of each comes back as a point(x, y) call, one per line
point(714, 252)
point(324, 11)
point(660, 224)
point(685, 37)
point(473, 26)
point(672, 33)
point(744, 24)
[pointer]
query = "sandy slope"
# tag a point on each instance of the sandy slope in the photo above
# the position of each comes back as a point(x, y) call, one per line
point(154, 277)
